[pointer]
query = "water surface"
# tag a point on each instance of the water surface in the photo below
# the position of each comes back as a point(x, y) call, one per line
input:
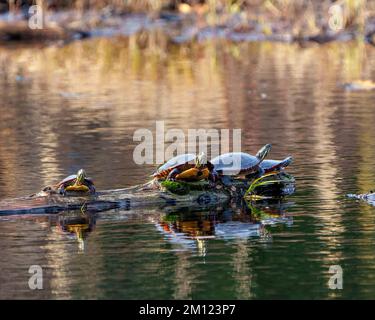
point(66, 107)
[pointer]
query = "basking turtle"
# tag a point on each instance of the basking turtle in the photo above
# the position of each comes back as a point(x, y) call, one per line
point(275, 165)
point(187, 167)
point(74, 184)
point(240, 163)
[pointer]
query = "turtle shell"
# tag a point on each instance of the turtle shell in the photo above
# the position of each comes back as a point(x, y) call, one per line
point(175, 162)
point(234, 163)
point(273, 165)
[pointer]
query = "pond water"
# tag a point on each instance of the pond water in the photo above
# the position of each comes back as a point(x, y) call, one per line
point(78, 105)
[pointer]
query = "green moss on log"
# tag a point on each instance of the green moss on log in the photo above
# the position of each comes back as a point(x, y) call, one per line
point(175, 187)
point(182, 188)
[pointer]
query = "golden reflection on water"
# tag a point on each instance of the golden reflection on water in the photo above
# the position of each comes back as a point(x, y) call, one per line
point(184, 276)
point(242, 270)
point(59, 255)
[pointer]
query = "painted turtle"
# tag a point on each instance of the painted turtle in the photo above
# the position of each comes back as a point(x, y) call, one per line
point(275, 165)
point(187, 167)
point(240, 163)
point(76, 183)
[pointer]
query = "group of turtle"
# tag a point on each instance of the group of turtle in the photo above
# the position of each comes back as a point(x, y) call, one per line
point(190, 167)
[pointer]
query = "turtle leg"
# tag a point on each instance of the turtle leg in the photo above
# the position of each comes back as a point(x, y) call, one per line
point(92, 189)
point(213, 176)
point(226, 180)
point(61, 190)
point(172, 175)
point(261, 172)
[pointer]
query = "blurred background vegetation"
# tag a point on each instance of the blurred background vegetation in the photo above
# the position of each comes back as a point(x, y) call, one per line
point(296, 16)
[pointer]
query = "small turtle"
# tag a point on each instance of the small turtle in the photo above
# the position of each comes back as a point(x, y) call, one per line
point(187, 167)
point(275, 165)
point(240, 163)
point(74, 184)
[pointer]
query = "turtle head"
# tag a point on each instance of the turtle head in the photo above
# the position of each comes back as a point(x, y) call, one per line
point(262, 153)
point(81, 176)
point(200, 160)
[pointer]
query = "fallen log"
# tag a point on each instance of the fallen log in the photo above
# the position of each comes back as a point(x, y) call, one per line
point(153, 194)
point(19, 31)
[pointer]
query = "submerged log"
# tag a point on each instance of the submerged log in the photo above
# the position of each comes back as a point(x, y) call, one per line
point(152, 194)
point(368, 197)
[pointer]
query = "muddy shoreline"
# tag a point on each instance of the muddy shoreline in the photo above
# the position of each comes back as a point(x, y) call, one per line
point(66, 26)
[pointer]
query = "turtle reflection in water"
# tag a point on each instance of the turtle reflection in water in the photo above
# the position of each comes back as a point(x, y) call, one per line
point(193, 229)
point(77, 224)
